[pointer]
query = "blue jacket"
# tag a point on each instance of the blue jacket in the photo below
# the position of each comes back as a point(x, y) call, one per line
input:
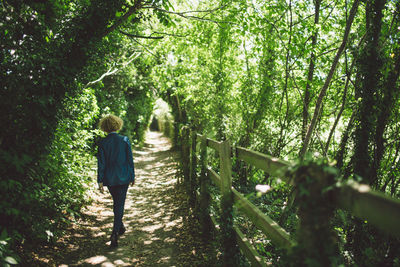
point(115, 161)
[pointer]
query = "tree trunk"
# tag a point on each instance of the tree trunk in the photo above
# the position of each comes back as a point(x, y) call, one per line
point(306, 99)
point(321, 95)
point(370, 63)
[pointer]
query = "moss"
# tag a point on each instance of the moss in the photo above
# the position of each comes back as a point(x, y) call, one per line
point(317, 243)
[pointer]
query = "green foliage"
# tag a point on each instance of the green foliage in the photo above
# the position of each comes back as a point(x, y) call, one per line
point(128, 94)
point(43, 51)
point(163, 118)
point(316, 240)
point(48, 53)
point(55, 188)
point(242, 70)
point(237, 70)
point(48, 145)
point(7, 257)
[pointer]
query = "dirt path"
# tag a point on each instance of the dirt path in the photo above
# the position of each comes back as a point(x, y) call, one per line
point(159, 231)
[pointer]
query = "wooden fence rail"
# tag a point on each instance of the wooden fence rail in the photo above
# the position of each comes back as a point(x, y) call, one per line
point(360, 200)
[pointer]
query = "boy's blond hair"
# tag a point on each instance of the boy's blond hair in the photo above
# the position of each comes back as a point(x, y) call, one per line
point(111, 123)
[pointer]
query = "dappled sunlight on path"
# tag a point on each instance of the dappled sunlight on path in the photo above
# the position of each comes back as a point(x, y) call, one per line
point(156, 218)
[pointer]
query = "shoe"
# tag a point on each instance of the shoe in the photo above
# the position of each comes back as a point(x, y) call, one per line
point(114, 240)
point(122, 230)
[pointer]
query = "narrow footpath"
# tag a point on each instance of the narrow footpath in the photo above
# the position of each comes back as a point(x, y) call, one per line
point(160, 231)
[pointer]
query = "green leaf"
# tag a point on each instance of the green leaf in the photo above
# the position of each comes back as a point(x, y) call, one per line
point(10, 260)
point(3, 235)
point(167, 5)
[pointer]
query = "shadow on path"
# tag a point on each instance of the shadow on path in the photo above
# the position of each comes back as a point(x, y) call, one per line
point(159, 231)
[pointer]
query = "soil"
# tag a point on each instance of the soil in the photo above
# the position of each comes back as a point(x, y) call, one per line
point(160, 228)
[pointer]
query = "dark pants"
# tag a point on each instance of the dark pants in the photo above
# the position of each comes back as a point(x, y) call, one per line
point(118, 193)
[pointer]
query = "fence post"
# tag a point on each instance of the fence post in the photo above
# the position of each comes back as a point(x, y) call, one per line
point(176, 141)
point(204, 205)
point(317, 242)
point(193, 164)
point(229, 246)
point(185, 156)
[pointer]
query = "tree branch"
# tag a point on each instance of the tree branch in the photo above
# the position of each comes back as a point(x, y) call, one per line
point(145, 48)
point(113, 70)
point(310, 73)
point(140, 36)
point(329, 77)
point(183, 15)
point(171, 34)
point(186, 12)
point(137, 5)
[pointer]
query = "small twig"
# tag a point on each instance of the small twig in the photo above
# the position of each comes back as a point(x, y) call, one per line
point(112, 71)
point(327, 52)
point(140, 36)
point(145, 48)
point(108, 73)
point(171, 34)
point(183, 15)
point(188, 12)
point(131, 10)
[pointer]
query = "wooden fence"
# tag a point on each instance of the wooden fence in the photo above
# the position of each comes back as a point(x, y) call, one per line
point(358, 199)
